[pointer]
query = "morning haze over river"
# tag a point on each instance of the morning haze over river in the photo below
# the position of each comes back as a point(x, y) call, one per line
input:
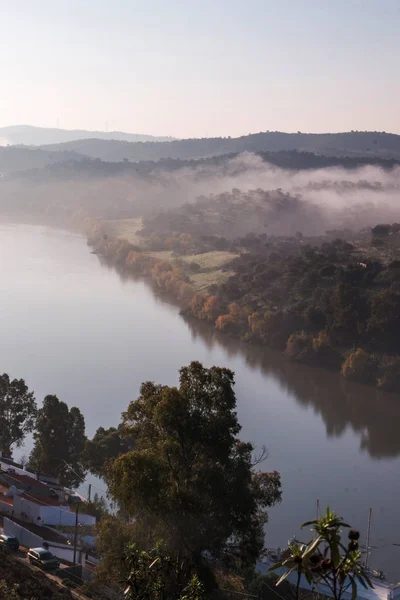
point(74, 327)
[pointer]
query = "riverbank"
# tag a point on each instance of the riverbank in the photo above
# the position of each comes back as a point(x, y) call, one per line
point(74, 326)
point(206, 284)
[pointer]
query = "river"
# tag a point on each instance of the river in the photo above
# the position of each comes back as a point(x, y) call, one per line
point(71, 326)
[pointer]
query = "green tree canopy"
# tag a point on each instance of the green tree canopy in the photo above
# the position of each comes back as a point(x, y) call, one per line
point(106, 445)
point(59, 441)
point(189, 480)
point(17, 412)
point(97, 507)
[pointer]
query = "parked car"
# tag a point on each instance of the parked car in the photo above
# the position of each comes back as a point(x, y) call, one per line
point(8, 542)
point(40, 557)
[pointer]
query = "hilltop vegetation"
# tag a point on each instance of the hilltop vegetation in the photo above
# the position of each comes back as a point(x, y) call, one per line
point(71, 191)
point(360, 143)
point(331, 300)
point(240, 241)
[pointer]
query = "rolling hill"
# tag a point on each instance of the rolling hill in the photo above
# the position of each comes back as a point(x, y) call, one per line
point(357, 143)
point(29, 135)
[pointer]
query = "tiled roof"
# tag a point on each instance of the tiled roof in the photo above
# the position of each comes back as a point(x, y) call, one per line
point(28, 480)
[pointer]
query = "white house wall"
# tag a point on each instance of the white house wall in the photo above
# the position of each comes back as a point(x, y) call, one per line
point(26, 538)
point(49, 515)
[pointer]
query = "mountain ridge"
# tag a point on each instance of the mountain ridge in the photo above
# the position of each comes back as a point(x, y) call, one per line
point(30, 135)
point(360, 143)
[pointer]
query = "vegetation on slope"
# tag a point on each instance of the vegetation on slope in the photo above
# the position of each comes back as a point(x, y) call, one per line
point(18, 581)
point(322, 300)
point(367, 143)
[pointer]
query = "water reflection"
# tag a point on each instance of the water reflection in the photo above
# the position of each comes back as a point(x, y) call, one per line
point(373, 415)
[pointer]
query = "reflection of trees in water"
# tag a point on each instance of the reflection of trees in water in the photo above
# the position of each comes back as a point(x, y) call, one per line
point(372, 414)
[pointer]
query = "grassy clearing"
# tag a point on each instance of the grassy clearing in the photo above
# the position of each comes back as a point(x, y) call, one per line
point(161, 255)
point(126, 229)
point(201, 281)
point(210, 260)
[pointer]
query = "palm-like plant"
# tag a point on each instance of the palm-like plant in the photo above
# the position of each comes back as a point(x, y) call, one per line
point(326, 560)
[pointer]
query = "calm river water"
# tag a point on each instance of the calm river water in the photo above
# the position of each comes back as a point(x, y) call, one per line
point(71, 326)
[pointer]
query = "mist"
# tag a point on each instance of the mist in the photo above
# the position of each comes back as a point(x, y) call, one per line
point(326, 198)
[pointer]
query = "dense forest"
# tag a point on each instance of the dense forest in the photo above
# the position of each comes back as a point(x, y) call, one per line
point(36, 185)
point(283, 249)
point(330, 299)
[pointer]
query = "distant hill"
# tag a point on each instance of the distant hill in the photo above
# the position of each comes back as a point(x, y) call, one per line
point(14, 158)
point(29, 135)
point(39, 164)
point(358, 143)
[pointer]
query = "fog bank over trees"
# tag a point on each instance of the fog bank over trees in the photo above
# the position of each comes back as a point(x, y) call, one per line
point(309, 200)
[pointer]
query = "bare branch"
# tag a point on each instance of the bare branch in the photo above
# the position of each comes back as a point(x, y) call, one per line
point(263, 455)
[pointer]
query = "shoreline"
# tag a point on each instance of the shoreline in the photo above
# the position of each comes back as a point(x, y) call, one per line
point(167, 281)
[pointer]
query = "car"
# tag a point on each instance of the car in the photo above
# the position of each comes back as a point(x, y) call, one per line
point(8, 542)
point(40, 557)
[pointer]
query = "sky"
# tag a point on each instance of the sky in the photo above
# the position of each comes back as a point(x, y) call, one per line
point(201, 68)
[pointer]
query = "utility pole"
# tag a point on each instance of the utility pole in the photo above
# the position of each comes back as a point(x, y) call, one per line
point(368, 537)
point(89, 492)
point(76, 533)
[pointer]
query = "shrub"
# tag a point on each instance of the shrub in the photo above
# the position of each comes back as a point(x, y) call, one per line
point(389, 374)
point(359, 366)
point(300, 347)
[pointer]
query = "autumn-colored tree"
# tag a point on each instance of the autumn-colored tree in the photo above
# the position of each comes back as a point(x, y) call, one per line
point(234, 321)
point(256, 322)
point(197, 304)
point(224, 322)
point(137, 261)
point(211, 309)
point(359, 366)
point(300, 347)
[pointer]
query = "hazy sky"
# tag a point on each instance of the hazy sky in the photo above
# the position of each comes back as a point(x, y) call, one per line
point(201, 67)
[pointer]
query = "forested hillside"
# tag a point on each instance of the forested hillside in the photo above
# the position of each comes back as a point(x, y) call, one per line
point(330, 300)
point(358, 143)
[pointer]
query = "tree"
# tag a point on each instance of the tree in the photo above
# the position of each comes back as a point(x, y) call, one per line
point(359, 366)
point(17, 412)
point(59, 441)
point(326, 560)
point(153, 576)
point(106, 445)
point(97, 507)
point(113, 538)
point(300, 347)
point(189, 480)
